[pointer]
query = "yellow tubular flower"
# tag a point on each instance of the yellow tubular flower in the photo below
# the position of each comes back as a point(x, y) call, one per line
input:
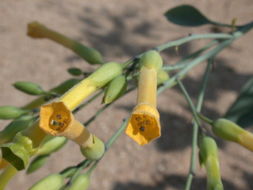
point(144, 124)
point(56, 119)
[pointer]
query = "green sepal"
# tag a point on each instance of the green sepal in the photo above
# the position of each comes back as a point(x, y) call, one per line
point(94, 151)
point(11, 112)
point(29, 88)
point(37, 163)
point(116, 88)
point(18, 152)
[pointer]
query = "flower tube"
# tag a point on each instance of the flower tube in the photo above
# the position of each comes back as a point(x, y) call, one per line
point(144, 124)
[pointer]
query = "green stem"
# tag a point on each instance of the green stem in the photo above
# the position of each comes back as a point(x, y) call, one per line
point(192, 168)
point(191, 38)
point(206, 119)
point(195, 62)
point(182, 41)
point(188, 99)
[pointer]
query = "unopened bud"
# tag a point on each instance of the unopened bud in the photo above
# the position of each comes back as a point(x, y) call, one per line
point(11, 112)
point(115, 89)
point(209, 158)
point(50, 182)
point(51, 144)
point(230, 131)
point(29, 88)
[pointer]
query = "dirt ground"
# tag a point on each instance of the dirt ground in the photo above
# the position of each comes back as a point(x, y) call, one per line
point(121, 29)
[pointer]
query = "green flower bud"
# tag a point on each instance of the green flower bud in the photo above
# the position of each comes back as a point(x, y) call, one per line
point(18, 152)
point(227, 130)
point(94, 151)
point(115, 89)
point(14, 127)
point(50, 182)
point(75, 71)
point(209, 158)
point(105, 74)
point(162, 76)
point(29, 88)
point(91, 55)
point(51, 144)
point(11, 112)
point(37, 163)
point(230, 131)
point(151, 59)
point(82, 182)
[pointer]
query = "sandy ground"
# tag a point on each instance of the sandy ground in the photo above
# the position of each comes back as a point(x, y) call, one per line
point(121, 29)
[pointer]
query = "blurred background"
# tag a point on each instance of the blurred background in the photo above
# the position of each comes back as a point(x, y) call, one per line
point(120, 30)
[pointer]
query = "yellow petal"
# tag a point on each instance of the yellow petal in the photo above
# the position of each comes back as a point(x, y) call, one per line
point(144, 124)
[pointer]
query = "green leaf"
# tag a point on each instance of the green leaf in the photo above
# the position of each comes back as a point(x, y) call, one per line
point(241, 111)
point(37, 163)
point(186, 15)
point(11, 112)
point(29, 88)
point(75, 71)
